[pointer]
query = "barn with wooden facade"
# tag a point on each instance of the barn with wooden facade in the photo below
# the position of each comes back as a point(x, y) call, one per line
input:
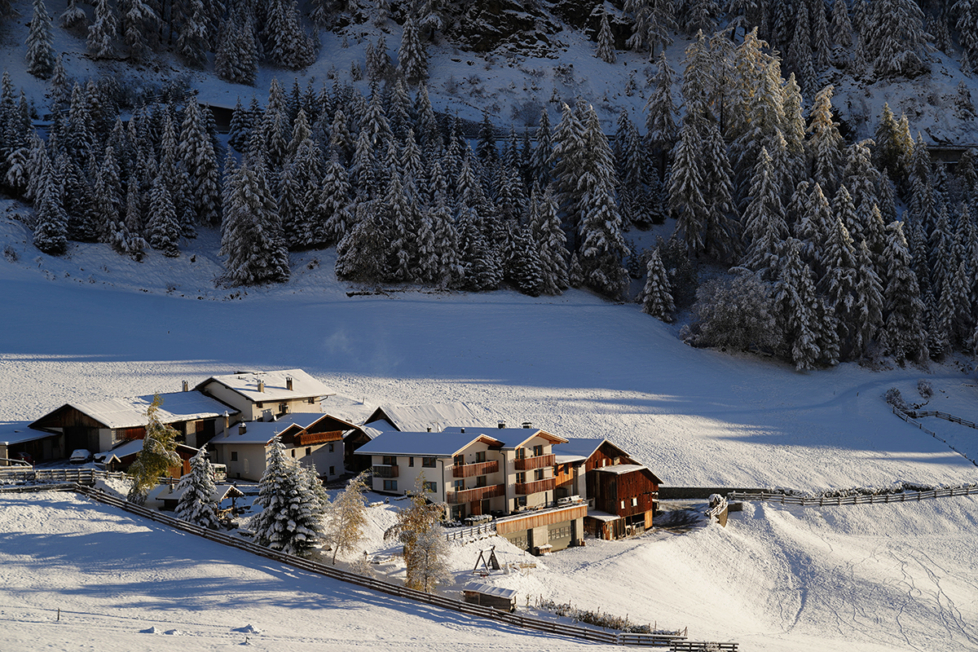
point(623, 493)
point(101, 426)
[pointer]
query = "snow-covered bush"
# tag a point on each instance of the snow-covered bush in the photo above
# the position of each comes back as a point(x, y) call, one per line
point(736, 312)
point(924, 388)
point(894, 398)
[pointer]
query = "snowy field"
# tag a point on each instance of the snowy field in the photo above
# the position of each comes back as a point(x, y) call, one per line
point(882, 577)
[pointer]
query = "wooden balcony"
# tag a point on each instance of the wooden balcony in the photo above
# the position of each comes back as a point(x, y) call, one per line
point(538, 462)
point(472, 470)
point(385, 471)
point(527, 488)
point(310, 438)
point(478, 493)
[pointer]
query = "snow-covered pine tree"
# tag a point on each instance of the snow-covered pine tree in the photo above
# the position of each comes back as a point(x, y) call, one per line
point(236, 59)
point(286, 42)
point(108, 195)
point(51, 228)
point(551, 242)
point(156, 457)
point(139, 27)
point(197, 504)
point(540, 161)
point(401, 219)
point(797, 307)
point(606, 41)
point(192, 34)
point(200, 162)
point(660, 123)
point(292, 516)
point(686, 188)
point(568, 160)
point(826, 142)
point(699, 15)
point(136, 244)
point(40, 51)
point(722, 226)
point(764, 118)
point(867, 312)
point(862, 180)
point(657, 295)
point(821, 40)
point(896, 39)
point(800, 55)
point(765, 229)
point(163, 227)
point(967, 25)
point(412, 56)
point(103, 30)
point(362, 253)
point(251, 234)
point(641, 13)
point(904, 335)
point(334, 211)
point(839, 283)
point(73, 16)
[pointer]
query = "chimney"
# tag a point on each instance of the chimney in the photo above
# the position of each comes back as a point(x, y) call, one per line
point(261, 385)
point(186, 386)
point(429, 429)
point(463, 431)
point(242, 428)
point(288, 383)
point(227, 421)
point(502, 424)
point(527, 424)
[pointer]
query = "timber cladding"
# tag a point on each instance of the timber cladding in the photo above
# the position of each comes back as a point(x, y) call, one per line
point(509, 526)
point(309, 438)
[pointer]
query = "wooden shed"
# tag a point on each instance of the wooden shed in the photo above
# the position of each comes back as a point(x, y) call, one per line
point(487, 595)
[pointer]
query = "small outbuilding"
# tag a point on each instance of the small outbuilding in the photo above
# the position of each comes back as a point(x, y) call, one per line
point(487, 595)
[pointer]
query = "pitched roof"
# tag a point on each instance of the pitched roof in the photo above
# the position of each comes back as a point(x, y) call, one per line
point(245, 383)
point(221, 492)
point(262, 432)
point(421, 444)
point(510, 437)
point(419, 418)
point(19, 432)
point(131, 412)
point(577, 449)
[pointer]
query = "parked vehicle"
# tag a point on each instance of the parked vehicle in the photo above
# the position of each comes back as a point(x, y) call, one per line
point(80, 456)
point(24, 457)
point(220, 472)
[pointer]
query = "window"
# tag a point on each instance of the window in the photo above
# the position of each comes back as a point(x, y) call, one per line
point(428, 462)
point(537, 450)
point(521, 478)
point(521, 501)
point(283, 408)
point(389, 460)
point(634, 502)
point(293, 452)
point(521, 453)
point(430, 487)
point(259, 405)
point(480, 481)
point(308, 450)
point(234, 456)
point(460, 485)
point(538, 474)
point(331, 448)
point(480, 456)
point(623, 504)
point(332, 470)
point(312, 400)
point(410, 461)
point(390, 485)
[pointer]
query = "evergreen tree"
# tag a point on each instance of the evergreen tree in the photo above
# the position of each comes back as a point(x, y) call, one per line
point(156, 457)
point(51, 230)
point(251, 234)
point(40, 51)
point(362, 253)
point(291, 520)
point(541, 161)
point(841, 25)
point(686, 189)
point(657, 295)
point(287, 43)
point(839, 284)
point(103, 30)
point(197, 504)
point(868, 307)
point(797, 307)
point(826, 142)
point(73, 15)
point(200, 161)
point(896, 39)
point(904, 334)
point(764, 225)
point(800, 53)
point(967, 25)
point(551, 242)
point(334, 211)
point(139, 27)
point(412, 58)
point(821, 41)
point(606, 41)
point(164, 228)
point(236, 59)
point(192, 34)
point(660, 110)
point(568, 158)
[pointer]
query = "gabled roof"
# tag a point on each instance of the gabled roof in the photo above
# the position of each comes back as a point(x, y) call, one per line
point(118, 413)
point(421, 417)
point(245, 383)
point(133, 446)
point(622, 469)
point(510, 437)
point(422, 444)
point(19, 432)
point(221, 492)
point(262, 432)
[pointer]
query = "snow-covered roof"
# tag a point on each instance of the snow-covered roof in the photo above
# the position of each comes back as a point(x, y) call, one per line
point(245, 383)
point(262, 432)
point(131, 412)
point(421, 417)
point(221, 491)
point(576, 449)
point(19, 432)
point(510, 437)
point(489, 589)
point(620, 469)
point(133, 446)
point(419, 444)
point(601, 516)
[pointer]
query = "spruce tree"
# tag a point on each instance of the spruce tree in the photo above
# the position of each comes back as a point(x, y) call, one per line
point(40, 51)
point(251, 234)
point(896, 39)
point(200, 162)
point(103, 30)
point(797, 308)
point(826, 142)
point(606, 41)
point(869, 302)
point(73, 15)
point(660, 110)
point(412, 58)
point(163, 227)
point(686, 189)
point(292, 516)
point(657, 295)
point(139, 25)
point(287, 43)
point(51, 230)
point(904, 335)
point(196, 504)
point(551, 242)
point(334, 210)
point(764, 225)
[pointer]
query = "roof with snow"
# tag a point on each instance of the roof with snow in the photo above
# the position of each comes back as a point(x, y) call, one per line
point(621, 469)
point(262, 432)
point(168, 492)
point(19, 432)
point(421, 417)
point(577, 449)
point(133, 446)
point(245, 383)
point(131, 412)
point(489, 589)
point(422, 444)
point(510, 437)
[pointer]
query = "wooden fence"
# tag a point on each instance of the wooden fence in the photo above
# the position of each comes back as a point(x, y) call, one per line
point(477, 532)
point(942, 415)
point(86, 476)
point(514, 620)
point(696, 646)
point(910, 419)
point(858, 499)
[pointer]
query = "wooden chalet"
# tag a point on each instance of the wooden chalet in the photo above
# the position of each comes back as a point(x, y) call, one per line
point(261, 395)
point(624, 493)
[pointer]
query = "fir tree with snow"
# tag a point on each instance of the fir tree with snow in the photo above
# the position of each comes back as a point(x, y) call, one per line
point(196, 504)
point(200, 162)
point(334, 210)
point(797, 308)
point(251, 235)
point(826, 142)
point(904, 335)
point(867, 310)
point(40, 51)
point(103, 30)
point(660, 110)
point(657, 294)
point(606, 41)
point(287, 43)
point(896, 39)
point(362, 253)
point(764, 224)
point(292, 516)
point(51, 221)
point(163, 227)
point(412, 57)
point(73, 16)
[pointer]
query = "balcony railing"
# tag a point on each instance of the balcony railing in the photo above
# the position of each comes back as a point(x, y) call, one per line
point(477, 493)
point(538, 462)
point(385, 471)
point(472, 470)
point(527, 488)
